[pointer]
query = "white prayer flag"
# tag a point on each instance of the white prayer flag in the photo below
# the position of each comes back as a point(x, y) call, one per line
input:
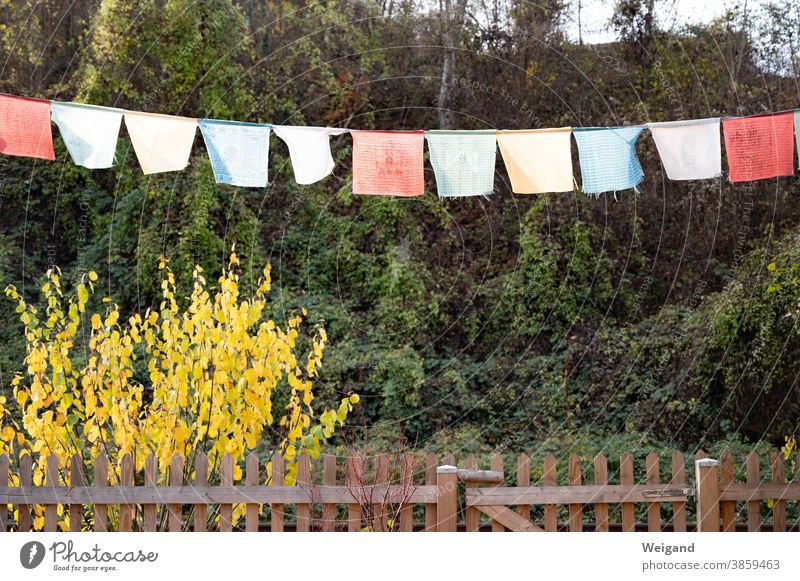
point(689, 150)
point(161, 142)
point(310, 150)
point(89, 132)
point(239, 152)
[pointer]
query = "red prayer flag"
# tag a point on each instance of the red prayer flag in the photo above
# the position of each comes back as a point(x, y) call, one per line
point(25, 127)
point(388, 163)
point(759, 147)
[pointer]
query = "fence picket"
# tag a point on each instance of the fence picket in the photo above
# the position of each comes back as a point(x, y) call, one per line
point(355, 466)
point(601, 477)
point(51, 480)
point(126, 511)
point(100, 481)
point(679, 481)
point(727, 507)
point(304, 481)
point(626, 477)
point(252, 509)
point(150, 481)
point(431, 462)
point(75, 479)
point(575, 510)
point(779, 508)
point(496, 463)
point(200, 479)
point(5, 463)
point(329, 479)
point(753, 506)
point(175, 479)
point(25, 479)
point(407, 483)
point(381, 477)
point(652, 468)
point(276, 510)
point(549, 477)
point(226, 479)
point(524, 479)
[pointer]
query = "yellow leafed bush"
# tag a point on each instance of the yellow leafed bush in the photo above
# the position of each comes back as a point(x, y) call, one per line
point(199, 378)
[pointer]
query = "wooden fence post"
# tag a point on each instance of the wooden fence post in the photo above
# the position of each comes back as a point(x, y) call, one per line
point(447, 498)
point(4, 470)
point(707, 482)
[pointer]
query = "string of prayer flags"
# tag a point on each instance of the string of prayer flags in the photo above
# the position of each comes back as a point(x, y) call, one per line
point(463, 162)
point(309, 150)
point(608, 158)
point(25, 127)
point(538, 160)
point(689, 150)
point(239, 152)
point(388, 163)
point(759, 147)
point(161, 142)
point(89, 132)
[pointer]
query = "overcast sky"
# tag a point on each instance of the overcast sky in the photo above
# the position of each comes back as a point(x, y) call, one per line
point(595, 15)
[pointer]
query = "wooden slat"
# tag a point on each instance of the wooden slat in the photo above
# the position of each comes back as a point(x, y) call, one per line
point(481, 476)
point(626, 479)
point(753, 505)
point(678, 481)
point(764, 491)
point(277, 509)
point(653, 478)
point(251, 508)
point(524, 480)
point(100, 485)
point(407, 465)
point(509, 519)
point(431, 462)
point(496, 463)
point(355, 471)
point(472, 514)
point(304, 481)
point(778, 478)
point(549, 477)
point(75, 479)
point(200, 479)
point(150, 481)
point(381, 478)
point(175, 510)
point(226, 509)
point(601, 479)
point(51, 480)
point(727, 507)
point(575, 510)
point(329, 478)
point(578, 495)
point(5, 464)
point(126, 509)
point(25, 479)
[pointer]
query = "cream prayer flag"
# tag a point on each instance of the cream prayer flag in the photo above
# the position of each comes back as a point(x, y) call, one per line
point(689, 150)
point(89, 132)
point(310, 150)
point(537, 160)
point(161, 142)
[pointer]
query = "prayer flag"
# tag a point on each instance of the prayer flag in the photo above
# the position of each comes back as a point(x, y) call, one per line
point(463, 162)
point(608, 158)
point(689, 150)
point(388, 163)
point(759, 147)
point(89, 132)
point(239, 152)
point(25, 127)
point(538, 160)
point(310, 151)
point(161, 142)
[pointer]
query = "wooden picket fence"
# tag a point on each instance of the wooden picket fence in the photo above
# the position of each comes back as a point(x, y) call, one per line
point(397, 489)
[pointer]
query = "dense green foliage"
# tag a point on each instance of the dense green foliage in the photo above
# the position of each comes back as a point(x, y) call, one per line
point(506, 322)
